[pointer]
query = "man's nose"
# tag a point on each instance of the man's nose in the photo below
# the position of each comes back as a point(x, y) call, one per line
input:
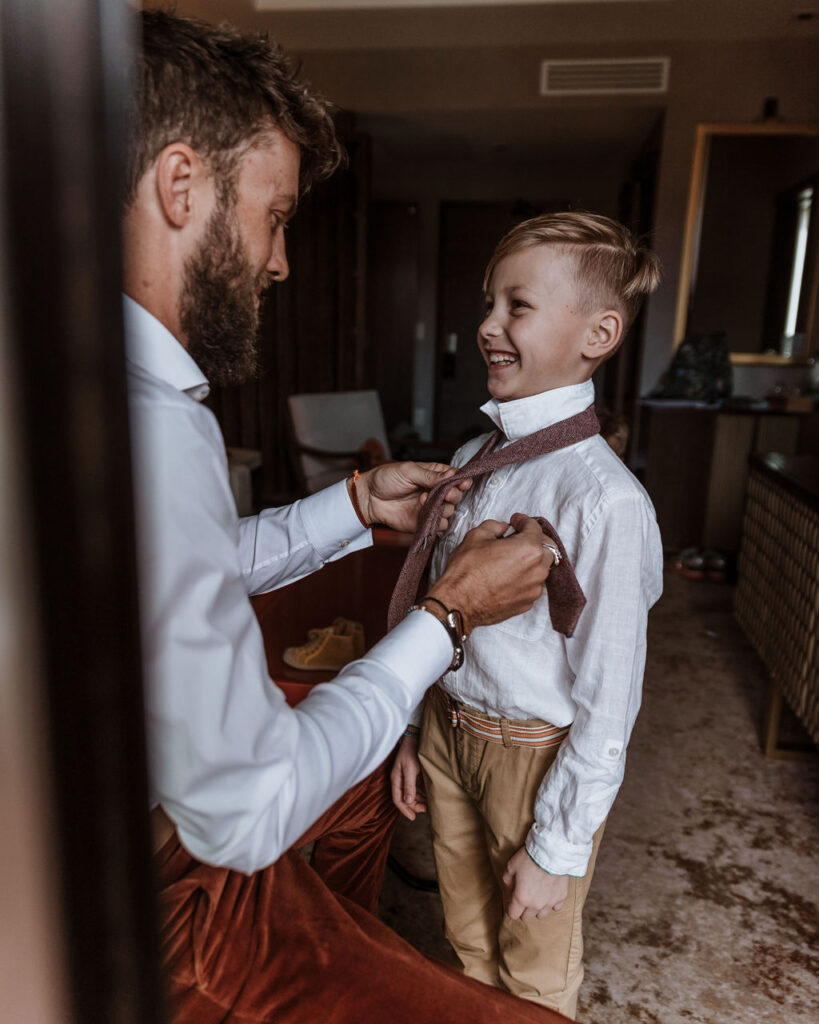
point(277, 266)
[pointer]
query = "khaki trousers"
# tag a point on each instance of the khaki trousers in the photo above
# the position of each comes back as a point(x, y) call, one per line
point(481, 799)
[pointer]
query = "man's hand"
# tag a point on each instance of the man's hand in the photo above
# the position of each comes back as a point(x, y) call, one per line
point(490, 577)
point(407, 781)
point(394, 493)
point(533, 892)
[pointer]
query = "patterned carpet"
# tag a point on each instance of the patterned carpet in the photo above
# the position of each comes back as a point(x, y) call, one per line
point(705, 905)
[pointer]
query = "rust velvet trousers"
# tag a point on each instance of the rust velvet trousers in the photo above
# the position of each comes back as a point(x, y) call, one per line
point(298, 943)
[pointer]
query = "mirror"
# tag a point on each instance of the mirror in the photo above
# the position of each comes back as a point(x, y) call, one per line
point(750, 264)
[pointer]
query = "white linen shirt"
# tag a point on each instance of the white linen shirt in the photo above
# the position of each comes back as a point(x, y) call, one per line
point(241, 774)
point(522, 668)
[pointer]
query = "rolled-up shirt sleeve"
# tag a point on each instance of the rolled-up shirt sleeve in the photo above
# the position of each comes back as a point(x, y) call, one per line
point(619, 566)
point(241, 774)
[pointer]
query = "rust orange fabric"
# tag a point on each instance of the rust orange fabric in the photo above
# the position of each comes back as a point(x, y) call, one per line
point(297, 943)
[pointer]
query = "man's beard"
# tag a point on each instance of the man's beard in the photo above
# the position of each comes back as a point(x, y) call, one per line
point(218, 309)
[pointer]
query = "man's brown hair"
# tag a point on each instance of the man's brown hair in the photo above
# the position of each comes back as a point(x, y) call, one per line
point(612, 269)
point(218, 89)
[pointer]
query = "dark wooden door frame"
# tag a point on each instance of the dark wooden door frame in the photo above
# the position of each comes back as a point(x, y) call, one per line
point(64, 101)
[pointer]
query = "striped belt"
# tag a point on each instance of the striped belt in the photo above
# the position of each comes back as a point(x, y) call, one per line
point(510, 733)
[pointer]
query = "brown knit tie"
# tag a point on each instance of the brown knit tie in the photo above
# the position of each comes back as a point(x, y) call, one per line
point(566, 599)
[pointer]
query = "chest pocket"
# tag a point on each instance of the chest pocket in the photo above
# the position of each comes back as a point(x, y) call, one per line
point(531, 625)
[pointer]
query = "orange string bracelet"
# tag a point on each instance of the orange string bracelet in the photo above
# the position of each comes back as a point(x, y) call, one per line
point(354, 498)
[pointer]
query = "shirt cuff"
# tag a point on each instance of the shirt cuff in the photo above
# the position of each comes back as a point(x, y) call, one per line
point(555, 856)
point(419, 647)
point(331, 522)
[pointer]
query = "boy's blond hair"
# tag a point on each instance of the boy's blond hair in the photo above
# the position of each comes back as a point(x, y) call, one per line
point(612, 269)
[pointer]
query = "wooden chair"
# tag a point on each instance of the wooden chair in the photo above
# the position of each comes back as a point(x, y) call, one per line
point(334, 433)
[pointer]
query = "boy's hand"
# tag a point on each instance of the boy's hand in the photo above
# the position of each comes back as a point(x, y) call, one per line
point(394, 493)
point(490, 577)
point(407, 781)
point(533, 892)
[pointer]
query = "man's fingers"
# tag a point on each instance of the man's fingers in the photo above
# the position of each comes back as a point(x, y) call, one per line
point(446, 513)
point(559, 905)
point(531, 530)
point(548, 554)
point(427, 474)
point(491, 528)
point(545, 911)
point(526, 525)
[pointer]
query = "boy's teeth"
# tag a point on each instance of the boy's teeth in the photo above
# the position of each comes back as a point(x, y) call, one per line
point(498, 360)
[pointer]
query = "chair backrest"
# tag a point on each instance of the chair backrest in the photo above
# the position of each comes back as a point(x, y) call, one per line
point(335, 424)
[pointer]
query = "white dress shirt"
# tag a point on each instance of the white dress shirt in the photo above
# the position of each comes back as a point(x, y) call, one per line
point(241, 774)
point(522, 668)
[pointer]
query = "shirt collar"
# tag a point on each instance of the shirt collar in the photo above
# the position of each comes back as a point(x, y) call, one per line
point(523, 416)
point(152, 347)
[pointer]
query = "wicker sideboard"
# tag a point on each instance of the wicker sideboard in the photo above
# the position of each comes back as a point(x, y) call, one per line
point(777, 596)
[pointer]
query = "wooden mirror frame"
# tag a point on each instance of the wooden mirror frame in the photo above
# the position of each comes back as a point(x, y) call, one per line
point(693, 228)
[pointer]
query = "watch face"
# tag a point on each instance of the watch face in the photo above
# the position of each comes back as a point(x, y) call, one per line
point(456, 621)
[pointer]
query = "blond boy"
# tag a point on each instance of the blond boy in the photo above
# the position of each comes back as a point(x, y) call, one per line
point(516, 821)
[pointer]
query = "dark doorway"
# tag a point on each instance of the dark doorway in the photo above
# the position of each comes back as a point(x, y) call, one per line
point(65, 96)
point(392, 297)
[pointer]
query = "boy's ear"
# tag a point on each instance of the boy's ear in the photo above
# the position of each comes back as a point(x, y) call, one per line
point(604, 335)
point(179, 173)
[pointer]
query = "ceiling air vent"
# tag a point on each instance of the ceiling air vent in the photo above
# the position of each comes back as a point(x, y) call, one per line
point(598, 77)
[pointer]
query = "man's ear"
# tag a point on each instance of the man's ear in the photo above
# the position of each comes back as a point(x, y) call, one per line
point(604, 335)
point(179, 174)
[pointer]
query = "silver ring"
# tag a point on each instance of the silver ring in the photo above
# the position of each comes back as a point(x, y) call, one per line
point(558, 558)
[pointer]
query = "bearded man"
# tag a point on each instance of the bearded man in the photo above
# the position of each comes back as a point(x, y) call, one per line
point(225, 140)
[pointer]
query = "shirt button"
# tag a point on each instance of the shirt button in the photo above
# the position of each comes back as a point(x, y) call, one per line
point(344, 543)
point(614, 751)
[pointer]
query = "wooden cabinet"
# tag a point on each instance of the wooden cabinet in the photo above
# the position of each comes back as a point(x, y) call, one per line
point(696, 466)
point(777, 596)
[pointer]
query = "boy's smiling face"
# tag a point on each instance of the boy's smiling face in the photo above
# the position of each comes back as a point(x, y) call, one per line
point(535, 335)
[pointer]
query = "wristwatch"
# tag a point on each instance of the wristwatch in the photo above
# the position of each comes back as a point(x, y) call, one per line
point(453, 624)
